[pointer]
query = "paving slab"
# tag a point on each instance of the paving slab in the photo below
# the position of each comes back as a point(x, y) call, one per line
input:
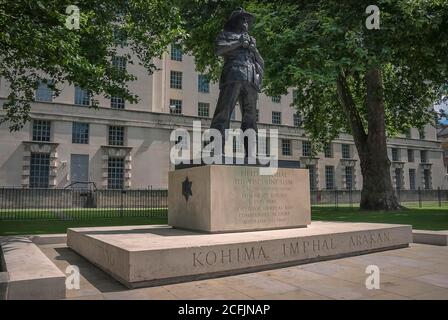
point(293, 282)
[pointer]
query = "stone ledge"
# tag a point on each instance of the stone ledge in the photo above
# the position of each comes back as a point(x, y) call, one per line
point(139, 256)
point(30, 274)
point(437, 238)
point(44, 239)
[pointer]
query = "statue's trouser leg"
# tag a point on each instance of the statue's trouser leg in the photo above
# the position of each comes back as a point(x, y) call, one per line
point(248, 104)
point(228, 96)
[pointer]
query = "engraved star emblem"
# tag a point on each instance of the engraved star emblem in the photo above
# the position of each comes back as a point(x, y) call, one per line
point(186, 189)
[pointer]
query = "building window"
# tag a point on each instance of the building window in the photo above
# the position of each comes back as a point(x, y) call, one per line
point(176, 52)
point(297, 119)
point(423, 156)
point(412, 179)
point(41, 130)
point(276, 99)
point(39, 170)
point(398, 180)
point(80, 133)
point(427, 179)
point(286, 147)
point(349, 178)
point(119, 63)
point(233, 115)
point(116, 135)
point(410, 155)
point(176, 80)
point(395, 154)
point(203, 84)
point(203, 109)
point(346, 151)
point(421, 133)
point(328, 150)
point(313, 177)
point(295, 96)
point(115, 173)
point(120, 38)
point(116, 102)
point(276, 117)
point(82, 97)
point(306, 148)
point(175, 106)
point(329, 177)
point(44, 93)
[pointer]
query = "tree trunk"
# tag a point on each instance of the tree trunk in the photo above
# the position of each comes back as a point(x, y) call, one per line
point(377, 191)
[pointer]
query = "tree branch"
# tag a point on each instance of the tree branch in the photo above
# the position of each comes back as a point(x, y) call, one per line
point(349, 107)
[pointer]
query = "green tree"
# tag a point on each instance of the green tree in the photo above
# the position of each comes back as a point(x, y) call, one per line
point(371, 83)
point(36, 45)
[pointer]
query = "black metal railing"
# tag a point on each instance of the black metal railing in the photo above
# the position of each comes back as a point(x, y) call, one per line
point(76, 204)
point(91, 203)
point(409, 198)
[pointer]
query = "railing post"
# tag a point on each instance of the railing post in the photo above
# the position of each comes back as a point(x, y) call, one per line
point(336, 203)
point(121, 203)
point(151, 199)
point(419, 197)
point(350, 197)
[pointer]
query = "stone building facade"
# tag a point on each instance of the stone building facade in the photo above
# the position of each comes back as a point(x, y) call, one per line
point(122, 145)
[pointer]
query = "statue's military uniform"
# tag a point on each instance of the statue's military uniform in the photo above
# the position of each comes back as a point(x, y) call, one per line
point(239, 64)
point(240, 81)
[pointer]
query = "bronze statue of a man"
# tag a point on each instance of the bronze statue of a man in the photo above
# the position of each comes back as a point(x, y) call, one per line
point(242, 74)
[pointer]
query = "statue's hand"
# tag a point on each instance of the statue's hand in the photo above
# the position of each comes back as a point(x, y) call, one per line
point(245, 40)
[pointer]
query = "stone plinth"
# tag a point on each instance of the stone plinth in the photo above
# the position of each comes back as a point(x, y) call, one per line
point(153, 255)
point(226, 198)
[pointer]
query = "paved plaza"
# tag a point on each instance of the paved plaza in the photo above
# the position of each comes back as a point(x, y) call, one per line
point(417, 272)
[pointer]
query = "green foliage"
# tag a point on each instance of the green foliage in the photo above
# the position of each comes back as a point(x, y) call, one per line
point(35, 45)
point(307, 44)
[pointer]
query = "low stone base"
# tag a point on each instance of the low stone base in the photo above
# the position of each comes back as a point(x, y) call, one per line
point(28, 274)
point(140, 256)
point(436, 238)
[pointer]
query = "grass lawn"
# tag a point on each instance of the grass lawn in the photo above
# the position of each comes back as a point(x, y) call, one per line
point(43, 221)
point(430, 217)
point(16, 227)
point(426, 218)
